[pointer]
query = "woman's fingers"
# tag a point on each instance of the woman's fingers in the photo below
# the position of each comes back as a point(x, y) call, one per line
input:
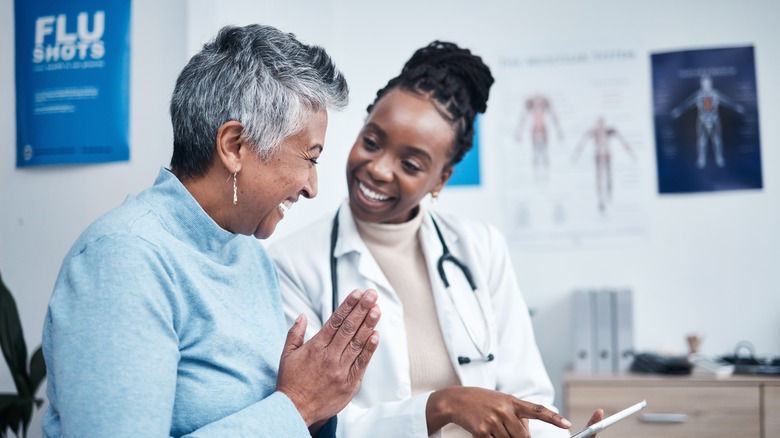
point(295, 334)
point(351, 325)
point(346, 332)
point(364, 357)
point(356, 345)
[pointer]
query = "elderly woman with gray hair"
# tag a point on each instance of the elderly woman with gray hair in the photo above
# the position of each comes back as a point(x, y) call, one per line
point(166, 318)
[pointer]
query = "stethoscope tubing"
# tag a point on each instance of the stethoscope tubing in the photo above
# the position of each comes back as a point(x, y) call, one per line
point(446, 256)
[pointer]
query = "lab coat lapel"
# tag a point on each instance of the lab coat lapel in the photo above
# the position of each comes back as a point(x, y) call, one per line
point(455, 335)
point(349, 241)
point(448, 318)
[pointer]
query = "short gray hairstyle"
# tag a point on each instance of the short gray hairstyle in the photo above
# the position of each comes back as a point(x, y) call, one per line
point(257, 75)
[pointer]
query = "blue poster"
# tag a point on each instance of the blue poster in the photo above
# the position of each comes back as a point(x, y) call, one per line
point(706, 120)
point(72, 81)
point(466, 173)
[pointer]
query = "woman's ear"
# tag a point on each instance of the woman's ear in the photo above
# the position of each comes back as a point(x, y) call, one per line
point(443, 178)
point(230, 145)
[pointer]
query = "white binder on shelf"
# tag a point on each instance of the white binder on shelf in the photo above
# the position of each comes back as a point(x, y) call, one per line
point(582, 335)
point(603, 333)
point(623, 324)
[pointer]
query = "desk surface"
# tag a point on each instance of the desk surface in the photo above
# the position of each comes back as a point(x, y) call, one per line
point(635, 379)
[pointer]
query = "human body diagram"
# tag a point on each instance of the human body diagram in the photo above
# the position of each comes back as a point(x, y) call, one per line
point(600, 135)
point(707, 100)
point(538, 109)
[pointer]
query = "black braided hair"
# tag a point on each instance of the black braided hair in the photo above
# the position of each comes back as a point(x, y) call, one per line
point(458, 81)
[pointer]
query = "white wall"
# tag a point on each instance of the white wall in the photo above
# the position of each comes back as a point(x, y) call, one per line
point(43, 210)
point(708, 264)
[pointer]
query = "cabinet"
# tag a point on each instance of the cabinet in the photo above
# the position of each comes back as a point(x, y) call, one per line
point(678, 406)
point(771, 411)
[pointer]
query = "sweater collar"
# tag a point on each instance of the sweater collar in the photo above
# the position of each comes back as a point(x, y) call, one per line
point(182, 214)
point(390, 234)
point(349, 239)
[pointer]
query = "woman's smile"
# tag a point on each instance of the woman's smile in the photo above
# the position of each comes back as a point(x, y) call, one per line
point(370, 194)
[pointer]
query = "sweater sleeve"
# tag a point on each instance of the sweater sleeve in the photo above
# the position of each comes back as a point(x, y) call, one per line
point(112, 351)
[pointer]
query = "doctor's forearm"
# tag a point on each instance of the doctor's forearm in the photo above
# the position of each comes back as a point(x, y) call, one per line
point(438, 410)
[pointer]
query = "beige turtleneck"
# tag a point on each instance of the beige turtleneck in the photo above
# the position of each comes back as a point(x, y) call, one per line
point(397, 250)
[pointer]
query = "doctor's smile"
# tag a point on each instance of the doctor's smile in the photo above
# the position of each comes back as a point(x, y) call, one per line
point(372, 195)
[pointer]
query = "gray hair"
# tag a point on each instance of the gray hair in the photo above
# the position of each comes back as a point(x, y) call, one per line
point(257, 75)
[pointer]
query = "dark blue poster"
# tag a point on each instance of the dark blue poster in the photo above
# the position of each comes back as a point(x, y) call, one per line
point(72, 81)
point(706, 120)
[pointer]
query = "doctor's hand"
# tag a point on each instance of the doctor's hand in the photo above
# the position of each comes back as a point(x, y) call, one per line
point(597, 416)
point(322, 375)
point(486, 413)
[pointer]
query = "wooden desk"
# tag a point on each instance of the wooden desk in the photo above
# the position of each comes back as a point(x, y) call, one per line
point(738, 406)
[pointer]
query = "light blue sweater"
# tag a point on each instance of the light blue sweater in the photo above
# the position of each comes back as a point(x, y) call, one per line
point(162, 323)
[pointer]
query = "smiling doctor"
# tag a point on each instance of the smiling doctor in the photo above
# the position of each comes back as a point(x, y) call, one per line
point(458, 355)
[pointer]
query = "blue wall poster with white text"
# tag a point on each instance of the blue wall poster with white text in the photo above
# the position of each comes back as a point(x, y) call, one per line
point(72, 81)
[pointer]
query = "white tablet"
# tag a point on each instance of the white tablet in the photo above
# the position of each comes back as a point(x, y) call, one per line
point(609, 421)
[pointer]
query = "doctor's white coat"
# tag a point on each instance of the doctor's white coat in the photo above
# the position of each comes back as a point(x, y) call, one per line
point(384, 405)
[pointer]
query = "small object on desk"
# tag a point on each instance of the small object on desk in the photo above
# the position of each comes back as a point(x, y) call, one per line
point(651, 363)
point(706, 367)
point(750, 364)
point(694, 343)
point(663, 418)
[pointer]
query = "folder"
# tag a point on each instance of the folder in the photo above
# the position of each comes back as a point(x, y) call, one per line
point(582, 324)
point(604, 345)
point(623, 329)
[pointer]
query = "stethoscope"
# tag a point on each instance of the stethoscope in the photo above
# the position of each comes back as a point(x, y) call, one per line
point(446, 256)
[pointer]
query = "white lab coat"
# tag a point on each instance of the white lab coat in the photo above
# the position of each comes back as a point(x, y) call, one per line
point(384, 405)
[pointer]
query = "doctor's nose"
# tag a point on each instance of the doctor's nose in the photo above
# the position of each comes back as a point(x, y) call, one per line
point(381, 168)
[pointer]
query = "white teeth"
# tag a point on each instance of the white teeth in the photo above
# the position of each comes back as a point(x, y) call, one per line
point(285, 205)
point(372, 195)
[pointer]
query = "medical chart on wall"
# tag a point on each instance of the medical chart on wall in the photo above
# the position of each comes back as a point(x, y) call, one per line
point(705, 109)
point(72, 81)
point(575, 139)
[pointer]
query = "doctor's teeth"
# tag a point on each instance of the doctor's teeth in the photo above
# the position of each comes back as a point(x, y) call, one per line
point(372, 195)
point(285, 205)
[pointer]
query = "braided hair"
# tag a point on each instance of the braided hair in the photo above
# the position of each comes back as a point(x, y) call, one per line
point(457, 81)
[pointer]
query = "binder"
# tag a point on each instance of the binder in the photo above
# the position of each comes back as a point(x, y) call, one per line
point(582, 317)
point(623, 327)
point(603, 333)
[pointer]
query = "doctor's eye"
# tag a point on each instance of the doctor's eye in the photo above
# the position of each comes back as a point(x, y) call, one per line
point(410, 166)
point(369, 144)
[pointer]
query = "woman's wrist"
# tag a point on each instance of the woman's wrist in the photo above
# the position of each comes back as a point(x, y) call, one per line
point(438, 410)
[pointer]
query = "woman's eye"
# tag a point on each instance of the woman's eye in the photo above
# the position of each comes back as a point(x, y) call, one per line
point(410, 166)
point(370, 144)
point(314, 161)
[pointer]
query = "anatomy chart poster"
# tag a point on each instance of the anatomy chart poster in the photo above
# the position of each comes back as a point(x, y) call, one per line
point(575, 148)
point(706, 120)
point(72, 81)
